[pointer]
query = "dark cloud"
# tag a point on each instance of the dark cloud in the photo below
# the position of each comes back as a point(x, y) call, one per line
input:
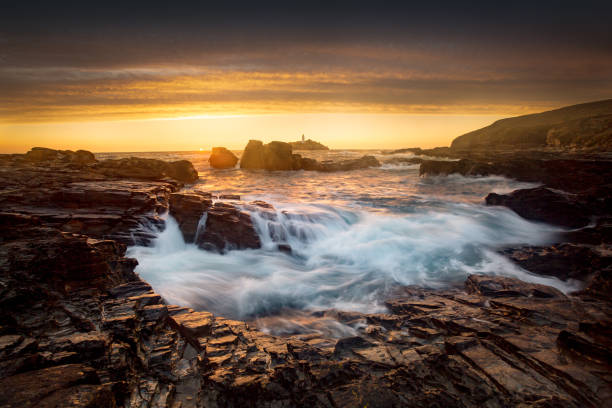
point(69, 55)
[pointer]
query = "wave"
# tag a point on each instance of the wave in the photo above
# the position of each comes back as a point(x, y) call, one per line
point(341, 258)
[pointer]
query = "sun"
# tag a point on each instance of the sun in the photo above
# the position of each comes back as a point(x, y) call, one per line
point(201, 149)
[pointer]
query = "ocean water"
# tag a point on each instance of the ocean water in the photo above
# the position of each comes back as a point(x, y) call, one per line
point(356, 237)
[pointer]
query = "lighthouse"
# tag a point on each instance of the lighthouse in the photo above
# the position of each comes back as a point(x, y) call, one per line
point(302, 137)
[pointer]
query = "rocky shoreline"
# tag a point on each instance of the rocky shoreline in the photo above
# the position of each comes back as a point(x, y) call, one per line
point(79, 328)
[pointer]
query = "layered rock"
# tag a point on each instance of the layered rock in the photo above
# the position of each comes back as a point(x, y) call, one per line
point(79, 328)
point(221, 158)
point(112, 341)
point(148, 169)
point(572, 175)
point(564, 261)
point(81, 199)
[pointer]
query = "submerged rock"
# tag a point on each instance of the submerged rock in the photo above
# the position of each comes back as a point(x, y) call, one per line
point(222, 158)
point(363, 162)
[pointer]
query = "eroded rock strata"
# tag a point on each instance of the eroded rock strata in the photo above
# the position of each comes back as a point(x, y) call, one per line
point(79, 328)
point(94, 334)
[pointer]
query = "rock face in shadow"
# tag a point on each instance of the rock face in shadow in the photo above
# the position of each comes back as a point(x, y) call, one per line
point(564, 261)
point(188, 209)
point(571, 175)
point(544, 205)
point(80, 199)
point(227, 227)
point(271, 156)
point(221, 158)
point(43, 154)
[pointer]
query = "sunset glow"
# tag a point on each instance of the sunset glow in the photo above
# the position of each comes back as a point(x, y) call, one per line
point(272, 76)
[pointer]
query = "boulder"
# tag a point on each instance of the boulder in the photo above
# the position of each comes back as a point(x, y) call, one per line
point(182, 170)
point(228, 228)
point(544, 205)
point(188, 209)
point(253, 155)
point(222, 158)
point(271, 156)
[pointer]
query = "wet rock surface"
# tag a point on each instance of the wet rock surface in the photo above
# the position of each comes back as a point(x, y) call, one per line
point(79, 328)
point(227, 227)
point(576, 194)
point(188, 209)
point(112, 341)
point(545, 205)
point(76, 196)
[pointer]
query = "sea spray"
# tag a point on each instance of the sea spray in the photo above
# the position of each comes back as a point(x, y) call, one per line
point(342, 258)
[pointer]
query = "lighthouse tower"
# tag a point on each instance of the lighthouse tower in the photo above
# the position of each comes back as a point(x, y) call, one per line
point(302, 138)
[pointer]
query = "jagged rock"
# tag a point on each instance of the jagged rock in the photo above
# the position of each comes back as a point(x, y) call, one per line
point(49, 386)
point(79, 328)
point(147, 169)
point(545, 205)
point(565, 261)
point(572, 175)
point(221, 158)
point(228, 228)
point(188, 209)
point(497, 286)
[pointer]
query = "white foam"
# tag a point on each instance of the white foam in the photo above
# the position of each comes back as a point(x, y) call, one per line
point(342, 258)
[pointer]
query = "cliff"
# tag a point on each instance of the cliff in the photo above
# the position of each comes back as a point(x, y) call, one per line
point(584, 126)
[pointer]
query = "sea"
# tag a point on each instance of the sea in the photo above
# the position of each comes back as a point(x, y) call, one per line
point(357, 238)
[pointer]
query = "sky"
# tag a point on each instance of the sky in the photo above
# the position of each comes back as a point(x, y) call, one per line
point(147, 76)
